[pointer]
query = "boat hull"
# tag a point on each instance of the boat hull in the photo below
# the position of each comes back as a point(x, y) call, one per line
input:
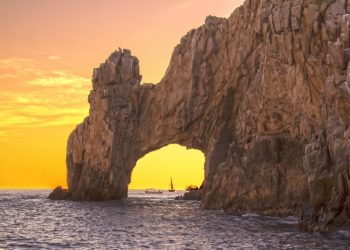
point(153, 192)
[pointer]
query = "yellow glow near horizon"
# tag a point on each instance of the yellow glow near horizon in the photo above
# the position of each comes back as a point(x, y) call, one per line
point(154, 170)
point(48, 50)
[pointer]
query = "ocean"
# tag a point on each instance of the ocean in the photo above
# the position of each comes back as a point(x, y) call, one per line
point(28, 220)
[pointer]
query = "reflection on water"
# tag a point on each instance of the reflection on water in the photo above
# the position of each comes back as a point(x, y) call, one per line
point(29, 220)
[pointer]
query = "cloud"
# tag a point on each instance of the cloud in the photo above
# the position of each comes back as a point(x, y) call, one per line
point(34, 96)
point(15, 61)
point(21, 68)
point(53, 58)
point(62, 80)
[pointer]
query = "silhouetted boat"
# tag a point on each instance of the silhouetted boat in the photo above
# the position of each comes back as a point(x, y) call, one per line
point(171, 186)
point(153, 191)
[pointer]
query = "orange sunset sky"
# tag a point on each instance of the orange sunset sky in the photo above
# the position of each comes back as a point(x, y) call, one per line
point(48, 49)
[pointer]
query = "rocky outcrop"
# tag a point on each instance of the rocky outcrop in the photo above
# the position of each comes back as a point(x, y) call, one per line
point(191, 195)
point(263, 94)
point(59, 194)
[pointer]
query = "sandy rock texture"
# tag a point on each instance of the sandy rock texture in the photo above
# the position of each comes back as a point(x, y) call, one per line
point(264, 94)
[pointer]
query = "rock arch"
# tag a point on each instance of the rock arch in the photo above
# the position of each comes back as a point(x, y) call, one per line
point(263, 94)
point(127, 120)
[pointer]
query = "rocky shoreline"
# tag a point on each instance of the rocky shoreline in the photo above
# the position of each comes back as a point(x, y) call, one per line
point(264, 94)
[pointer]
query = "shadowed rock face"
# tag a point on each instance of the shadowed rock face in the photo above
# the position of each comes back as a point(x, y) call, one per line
point(263, 94)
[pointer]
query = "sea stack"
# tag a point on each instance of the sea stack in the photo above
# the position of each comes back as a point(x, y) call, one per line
point(264, 94)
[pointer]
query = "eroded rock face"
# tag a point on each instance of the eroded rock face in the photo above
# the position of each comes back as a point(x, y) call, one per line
point(264, 94)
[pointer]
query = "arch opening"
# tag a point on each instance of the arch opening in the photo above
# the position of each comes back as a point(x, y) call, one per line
point(154, 170)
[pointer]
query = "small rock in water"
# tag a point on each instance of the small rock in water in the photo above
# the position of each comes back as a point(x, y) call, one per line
point(192, 195)
point(59, 194)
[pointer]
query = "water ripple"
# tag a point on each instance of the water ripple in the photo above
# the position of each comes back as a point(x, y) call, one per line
point(30, 221)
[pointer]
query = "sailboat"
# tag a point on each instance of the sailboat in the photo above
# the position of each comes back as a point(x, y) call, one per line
point(171, 186)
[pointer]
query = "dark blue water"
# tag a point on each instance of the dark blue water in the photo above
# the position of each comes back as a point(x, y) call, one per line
point(29, 220)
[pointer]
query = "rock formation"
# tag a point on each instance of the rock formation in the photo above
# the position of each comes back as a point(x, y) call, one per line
point(59, 194)
point(264, 94)
point(191, 195)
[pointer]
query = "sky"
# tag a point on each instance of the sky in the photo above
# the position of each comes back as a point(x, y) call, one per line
point(48, 49)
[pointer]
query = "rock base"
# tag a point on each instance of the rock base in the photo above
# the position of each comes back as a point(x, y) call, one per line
point(193, 195)
point(59, 194)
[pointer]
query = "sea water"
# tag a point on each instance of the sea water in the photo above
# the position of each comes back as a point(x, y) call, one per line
point(145, 221)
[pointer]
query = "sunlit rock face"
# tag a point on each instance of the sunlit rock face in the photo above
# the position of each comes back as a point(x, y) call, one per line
point(263, 94)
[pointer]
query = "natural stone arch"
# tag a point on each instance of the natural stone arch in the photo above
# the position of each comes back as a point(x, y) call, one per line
point(128, 120)
point(263, 94)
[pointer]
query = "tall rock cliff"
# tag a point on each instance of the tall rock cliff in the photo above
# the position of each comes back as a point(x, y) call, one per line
point(264, 94)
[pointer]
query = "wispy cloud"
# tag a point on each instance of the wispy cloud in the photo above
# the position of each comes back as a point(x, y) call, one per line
point(14, 62)
point(60, 80)
point(41, 98)
point(21, 68)
point(53, 57)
